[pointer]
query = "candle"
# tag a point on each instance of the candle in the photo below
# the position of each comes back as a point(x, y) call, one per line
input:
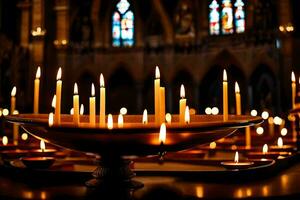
point(162, 134)
point(225, 96)
point(236, 164)
point(102, 102)
point(81, 111)
point(145, 117)
point(42, 145)
point(157, 95)
point(293, 79)
point(271, 126)
point(58, 97)
point(36, 91)
point(120, 121)
point(93, 106)
point(162, 104)
point(187, 117)
point(50, 119)
point(13, 100)
point(265, 149)
point(110, 123)
point(76, 105)
point(168, 118)
point(237, 99)
point(280, 142)
point(248, 137)
point(182, 104)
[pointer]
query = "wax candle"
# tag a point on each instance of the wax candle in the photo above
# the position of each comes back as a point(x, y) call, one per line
point(36, 91)
point(145, 117)
point(187, 117)
point(76, 105)
point(225, 96)
point(162, 104)
point(120, 121)
point(293, 89)
point(102, 102)
point(13, 100)
point(58, 97)
point(248, 137)
point(110, 122)
point(237, 99)
point(157, 95)
point(93, 106)
point(182, 104)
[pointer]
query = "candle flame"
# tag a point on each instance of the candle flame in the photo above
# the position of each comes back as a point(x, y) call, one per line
point(157, 73)
point(75, 89)
point(168, 118)
point(265, 149)
point(224, 75)
point(236, 88)
point(38, 72)
point(53, 103)
point(101, 80)
point(182, 91)
point(42, 145)
point(81, 111)
point(110, 123)
point(236, 157)
point(145, 117)
point(4, 140)
point(13, 91)
point(50, 119)
point(123, 111)
point(120, 121)
point(293, 78)
point(212, 145)
point(162, 133)
point(280, 142)
point(58, 76)
point(187, 117)
point(72, 111)
point(93, 90)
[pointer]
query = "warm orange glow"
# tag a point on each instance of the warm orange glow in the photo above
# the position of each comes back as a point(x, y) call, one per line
point(120, 121)
point(53, 103)
point(162, 133)
point(293, 78)
point(182, 91)
point(236, 88)
point(265, 115)
point(5, 112)
point(280, 142)
point(253, 113)
point(187, 117)
point(101, 80)
point(42, 145)
point(24, 136)
point(4, 140)
point(212, 145)
point(81, 111)
point(157, 72)
point(93, 90)
point(72, 111)
point(145, 117)
point(284, 131)
point(260, 130)
point(58, 76)
point(38, 72)
point(110, 123)
point(236, 157)
point(50, 119)
point(168, 118)
point(224, 75)
point(123, 111)
point(265, 149)
point(14, 91)
point(75, 89)
point(271, 120)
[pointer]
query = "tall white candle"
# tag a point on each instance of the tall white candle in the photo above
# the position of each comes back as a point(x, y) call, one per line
point(36, 91)
point(157, 95)
point(92, 106)
point(102, 101)
point(182, 104)
point(225, 96)
point(58, 97)
point(76, 105)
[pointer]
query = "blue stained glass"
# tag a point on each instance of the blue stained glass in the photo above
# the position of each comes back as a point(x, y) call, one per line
point(227, 17)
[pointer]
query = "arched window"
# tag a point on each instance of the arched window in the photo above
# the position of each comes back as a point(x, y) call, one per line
point(226, 17)
point(123, 25)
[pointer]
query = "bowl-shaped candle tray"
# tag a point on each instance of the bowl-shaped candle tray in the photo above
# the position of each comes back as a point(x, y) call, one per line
point(134, 138)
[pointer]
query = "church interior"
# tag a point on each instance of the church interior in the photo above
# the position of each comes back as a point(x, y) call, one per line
point(152, 99)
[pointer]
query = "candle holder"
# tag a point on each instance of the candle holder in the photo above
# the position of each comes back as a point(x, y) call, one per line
point(232, 165)
point(38, 162)
point(134, 138)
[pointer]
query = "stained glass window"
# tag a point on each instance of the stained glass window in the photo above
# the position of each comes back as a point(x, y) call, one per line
point(123, 25)
point(227, 17)
point(214, 18)
point(239, 16)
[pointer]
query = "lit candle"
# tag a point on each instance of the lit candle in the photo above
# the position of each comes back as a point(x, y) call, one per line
point(58, 97)
point(93, 106)
point(225, 96)
point(162, 134)
point(76, 105)
point(81, 111)
point(293, 89)
point(145, 117)
point(157, 95)
point(237, 164)
point(162, 101)
point(120, 121)
point(13, 100)
point(265, 149)
point(4, 140)
point(187, 117)
point(168, 118)
point(110, 122)
point(182, 104)
point(102, 102)
point(50, 119)
point(280, 142)
point(42, 146)
point(36, 91)
point(238, 99)
point(53, 103)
